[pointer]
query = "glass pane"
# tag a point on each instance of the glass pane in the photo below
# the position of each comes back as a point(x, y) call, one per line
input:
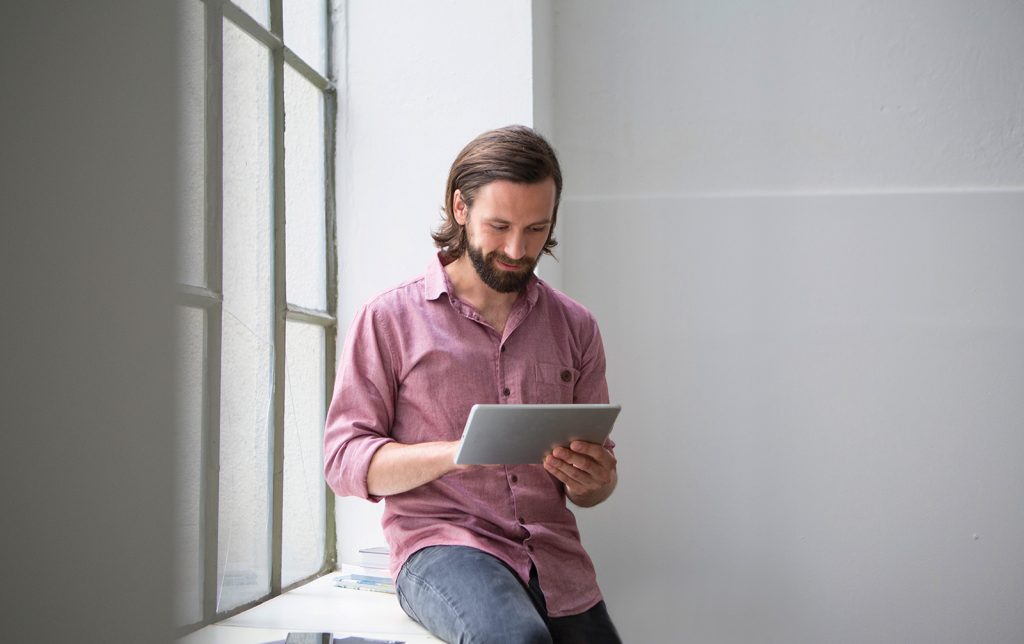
point(305, 230)
point(247, 334)
point(192, 148)
point(304, 416)
point(188, 565)
point(305, 31)
point(258, 9)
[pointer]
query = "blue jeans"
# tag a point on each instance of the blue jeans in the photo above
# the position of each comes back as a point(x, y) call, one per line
point(464, 595)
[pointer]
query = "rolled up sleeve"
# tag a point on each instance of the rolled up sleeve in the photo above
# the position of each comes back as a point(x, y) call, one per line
point(592, 387)
point(362, 408)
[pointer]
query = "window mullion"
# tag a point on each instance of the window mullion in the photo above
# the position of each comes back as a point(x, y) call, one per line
point(214, 269)
point(198, 297)
point(310, 74)
point(280, 303)
point(330, 239)
point(309, 316)
point(271, 39)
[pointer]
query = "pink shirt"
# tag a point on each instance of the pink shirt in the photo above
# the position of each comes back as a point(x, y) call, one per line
point(415, 361)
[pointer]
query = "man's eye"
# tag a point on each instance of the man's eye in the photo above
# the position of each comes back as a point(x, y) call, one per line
point(499, 227)
point(540, 229)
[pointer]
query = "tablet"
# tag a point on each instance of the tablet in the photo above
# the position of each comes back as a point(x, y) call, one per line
point(515, 434)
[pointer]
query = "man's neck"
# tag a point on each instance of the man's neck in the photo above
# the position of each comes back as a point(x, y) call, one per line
point(471, 289)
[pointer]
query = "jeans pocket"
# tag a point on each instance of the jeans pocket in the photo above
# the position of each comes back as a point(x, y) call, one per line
point(402, 600)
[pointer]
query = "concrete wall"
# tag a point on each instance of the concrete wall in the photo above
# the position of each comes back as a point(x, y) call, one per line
point(87, 190)
point(801, 229)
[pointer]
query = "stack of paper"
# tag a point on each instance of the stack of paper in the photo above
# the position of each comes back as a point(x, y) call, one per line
point(374, 557)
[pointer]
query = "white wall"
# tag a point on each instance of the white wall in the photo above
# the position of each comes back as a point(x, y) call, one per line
point(422, 79)
point(543, 51)
point(730, 96)
point(801, 230)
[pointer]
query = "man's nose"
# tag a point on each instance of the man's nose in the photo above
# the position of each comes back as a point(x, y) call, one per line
point(516, 246)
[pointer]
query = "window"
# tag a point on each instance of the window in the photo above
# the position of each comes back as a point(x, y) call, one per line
point(257, 310)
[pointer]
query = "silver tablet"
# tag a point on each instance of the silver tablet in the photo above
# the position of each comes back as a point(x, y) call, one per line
point(512, 434)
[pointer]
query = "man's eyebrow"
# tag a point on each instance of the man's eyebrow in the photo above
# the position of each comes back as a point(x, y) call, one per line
point(497, 219)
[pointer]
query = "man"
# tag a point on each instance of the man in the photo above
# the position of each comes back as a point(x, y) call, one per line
point(480, 553)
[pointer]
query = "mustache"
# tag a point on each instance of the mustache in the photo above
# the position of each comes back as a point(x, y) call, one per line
point(505, 259)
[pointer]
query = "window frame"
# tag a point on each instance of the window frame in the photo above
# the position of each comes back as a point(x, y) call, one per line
point(209, 299)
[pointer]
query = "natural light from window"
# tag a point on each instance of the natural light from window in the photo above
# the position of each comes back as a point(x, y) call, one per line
point(256, 316)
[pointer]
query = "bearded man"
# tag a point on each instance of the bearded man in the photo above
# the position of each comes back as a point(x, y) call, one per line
point(479, 553)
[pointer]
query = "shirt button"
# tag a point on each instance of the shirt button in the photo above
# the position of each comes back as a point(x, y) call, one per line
point(522, 521)
point(566, 376)
point(514, 478)
point(506, 391)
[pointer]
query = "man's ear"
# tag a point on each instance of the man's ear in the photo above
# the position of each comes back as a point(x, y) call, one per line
point(459, 208)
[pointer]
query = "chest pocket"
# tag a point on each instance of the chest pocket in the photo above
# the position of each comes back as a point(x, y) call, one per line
point(555, 382)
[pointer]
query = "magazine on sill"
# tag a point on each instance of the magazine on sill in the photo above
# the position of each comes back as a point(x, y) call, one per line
point(372, 583)
point(328, 638)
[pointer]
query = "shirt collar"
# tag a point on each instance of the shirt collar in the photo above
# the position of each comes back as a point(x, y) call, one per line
point(436, 282)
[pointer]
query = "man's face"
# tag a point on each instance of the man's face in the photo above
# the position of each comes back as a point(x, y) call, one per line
point(506, 231)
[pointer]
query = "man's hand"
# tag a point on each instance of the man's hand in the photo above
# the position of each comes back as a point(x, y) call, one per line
point(586, 469)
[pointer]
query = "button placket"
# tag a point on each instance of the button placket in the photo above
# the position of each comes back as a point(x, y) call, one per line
point(508, 375)
point(516, 510)
point(505, 391)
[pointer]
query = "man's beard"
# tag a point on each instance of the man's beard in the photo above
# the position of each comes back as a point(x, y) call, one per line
point(498, 278)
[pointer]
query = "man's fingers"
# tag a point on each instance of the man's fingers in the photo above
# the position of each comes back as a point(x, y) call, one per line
point(570, 457)
point(590, 475)
point(592, 458)
point(593, 450)
point(566, 471)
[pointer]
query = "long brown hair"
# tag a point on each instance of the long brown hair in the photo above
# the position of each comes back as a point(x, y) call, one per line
point(513, 153)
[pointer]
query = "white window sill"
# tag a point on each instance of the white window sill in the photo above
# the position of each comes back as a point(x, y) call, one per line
point(317, 607)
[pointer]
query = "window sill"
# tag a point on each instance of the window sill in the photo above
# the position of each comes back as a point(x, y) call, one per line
point(318, 606)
